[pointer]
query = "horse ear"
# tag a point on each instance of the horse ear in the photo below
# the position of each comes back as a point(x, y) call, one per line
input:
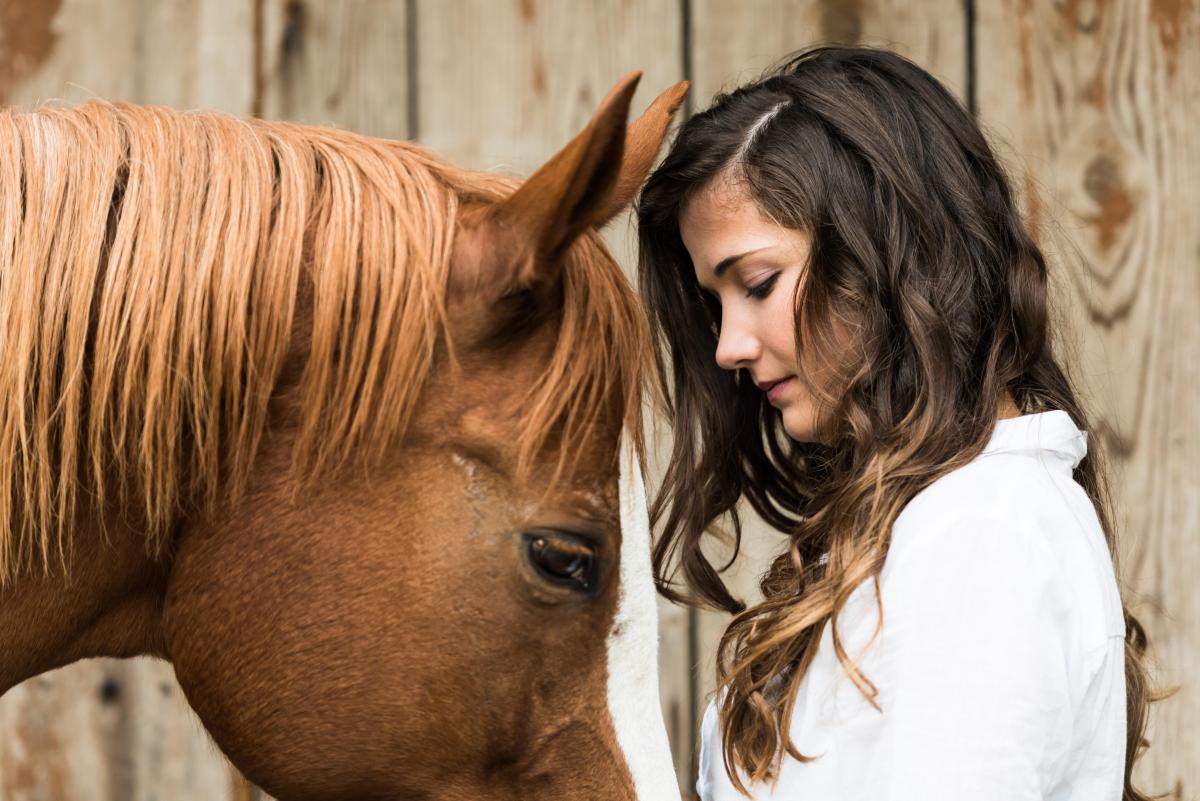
point(515, 243)
point(642, 143)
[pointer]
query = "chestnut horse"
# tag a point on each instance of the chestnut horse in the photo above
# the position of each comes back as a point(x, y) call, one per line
point(336, 428)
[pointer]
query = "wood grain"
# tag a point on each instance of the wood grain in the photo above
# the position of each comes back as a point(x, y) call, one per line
point(196, 54)
point(67, 50)
point(106, 730)
point(342, 64)
point(734, 42)
point(1094, 104)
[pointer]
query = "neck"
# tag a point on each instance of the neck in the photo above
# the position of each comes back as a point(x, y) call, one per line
point(1006, 408)
point(107, 602)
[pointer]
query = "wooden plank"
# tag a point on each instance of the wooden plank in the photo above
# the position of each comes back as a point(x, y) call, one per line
point(732, 44)
point(198, 54)
point(53, 735)
point(343, 64)
point(106, 729)
point(186, 55)
point(1095, 104)
point(66, 50)
point(503, 85)
point(173, 756)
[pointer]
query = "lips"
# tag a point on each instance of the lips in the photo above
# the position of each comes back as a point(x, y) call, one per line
point(766, 386)
point(777, 389)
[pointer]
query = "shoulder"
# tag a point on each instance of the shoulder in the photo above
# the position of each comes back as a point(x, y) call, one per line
point(1009, 496)
point(1002, 528)
point(995, 483)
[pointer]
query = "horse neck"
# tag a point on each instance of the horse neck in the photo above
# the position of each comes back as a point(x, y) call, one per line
point(103, 599)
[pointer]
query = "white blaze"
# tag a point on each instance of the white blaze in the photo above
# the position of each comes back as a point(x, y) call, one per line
point(633, 699)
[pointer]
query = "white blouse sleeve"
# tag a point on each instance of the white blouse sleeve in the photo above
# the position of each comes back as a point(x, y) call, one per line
point(708, 737)
point(976, 667)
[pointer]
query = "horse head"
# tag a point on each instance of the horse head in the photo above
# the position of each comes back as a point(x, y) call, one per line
point(474, 615)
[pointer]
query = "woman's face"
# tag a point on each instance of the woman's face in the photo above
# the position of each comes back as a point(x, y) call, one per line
point(751, 265)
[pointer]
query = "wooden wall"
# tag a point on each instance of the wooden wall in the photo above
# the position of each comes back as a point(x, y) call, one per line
point(1092, 105)
point(1098, 102)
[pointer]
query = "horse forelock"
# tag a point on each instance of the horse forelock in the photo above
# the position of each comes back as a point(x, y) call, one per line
point(151, 262)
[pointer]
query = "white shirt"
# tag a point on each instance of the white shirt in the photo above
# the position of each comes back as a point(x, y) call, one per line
point(1000, 664)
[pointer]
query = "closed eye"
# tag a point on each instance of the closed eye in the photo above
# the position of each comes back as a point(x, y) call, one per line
point(761, 290)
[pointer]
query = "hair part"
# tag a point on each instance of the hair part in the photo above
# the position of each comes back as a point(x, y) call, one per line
point(918, 248)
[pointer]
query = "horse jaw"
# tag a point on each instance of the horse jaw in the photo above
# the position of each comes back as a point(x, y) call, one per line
point(633, 700)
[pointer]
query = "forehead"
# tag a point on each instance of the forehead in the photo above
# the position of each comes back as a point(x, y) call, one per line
point(722, 220)
point(721, 200)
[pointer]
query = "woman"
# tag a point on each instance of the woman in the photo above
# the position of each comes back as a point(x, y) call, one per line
point(859, 342)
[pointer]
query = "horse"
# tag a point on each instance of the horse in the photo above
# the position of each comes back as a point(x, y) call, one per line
point(349, 435)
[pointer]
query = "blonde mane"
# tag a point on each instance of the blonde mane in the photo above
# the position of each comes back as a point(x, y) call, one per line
point(152, 266)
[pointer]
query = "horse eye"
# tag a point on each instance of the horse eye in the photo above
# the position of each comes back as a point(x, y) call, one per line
point(563, 560)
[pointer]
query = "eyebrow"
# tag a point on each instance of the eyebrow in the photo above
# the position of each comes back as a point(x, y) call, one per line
point(727, 262)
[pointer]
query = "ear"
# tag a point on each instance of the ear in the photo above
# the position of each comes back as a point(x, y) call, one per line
point(516, 243)
point(643, 140)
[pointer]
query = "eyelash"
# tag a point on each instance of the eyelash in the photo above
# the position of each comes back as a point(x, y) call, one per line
point(762, 290)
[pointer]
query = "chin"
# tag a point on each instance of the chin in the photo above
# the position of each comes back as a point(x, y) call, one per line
point(800, 422)
point(798, 426)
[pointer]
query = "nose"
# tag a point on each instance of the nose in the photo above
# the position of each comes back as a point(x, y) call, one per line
point(737, 344)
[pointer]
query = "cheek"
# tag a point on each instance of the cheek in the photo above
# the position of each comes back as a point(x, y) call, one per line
point(780, 326)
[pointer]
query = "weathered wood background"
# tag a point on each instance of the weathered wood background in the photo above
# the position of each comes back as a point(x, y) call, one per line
point(1093, 104)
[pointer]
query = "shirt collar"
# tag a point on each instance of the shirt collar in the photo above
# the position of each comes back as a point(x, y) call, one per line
point(1051, 432)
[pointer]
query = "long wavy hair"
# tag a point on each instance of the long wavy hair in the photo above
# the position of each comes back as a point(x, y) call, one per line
point(918, 248)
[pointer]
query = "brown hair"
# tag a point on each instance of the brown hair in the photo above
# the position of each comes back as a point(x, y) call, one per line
point(916, 244)
point(160, 270)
